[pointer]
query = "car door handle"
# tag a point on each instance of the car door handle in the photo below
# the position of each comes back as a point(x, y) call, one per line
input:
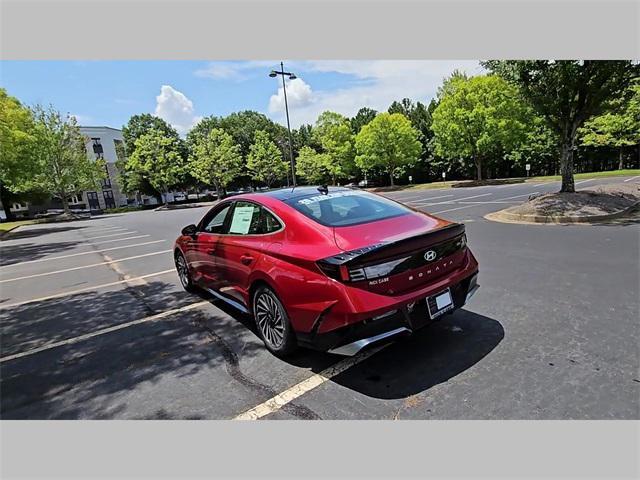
point(246, 259)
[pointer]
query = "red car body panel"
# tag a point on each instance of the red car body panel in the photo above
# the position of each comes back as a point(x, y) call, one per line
point(287, 260)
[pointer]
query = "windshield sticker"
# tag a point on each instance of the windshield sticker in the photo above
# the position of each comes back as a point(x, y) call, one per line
point(328, 196)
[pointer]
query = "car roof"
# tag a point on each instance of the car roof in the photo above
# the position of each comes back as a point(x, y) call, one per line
point(288, 193)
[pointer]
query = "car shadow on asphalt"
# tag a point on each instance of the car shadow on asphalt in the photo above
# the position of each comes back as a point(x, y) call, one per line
point(411, 365)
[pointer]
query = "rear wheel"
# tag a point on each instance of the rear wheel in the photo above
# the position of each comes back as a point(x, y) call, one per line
point(183, 273)
point(273, 322)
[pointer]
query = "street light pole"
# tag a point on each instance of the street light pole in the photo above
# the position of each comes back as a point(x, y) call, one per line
point(286, 108)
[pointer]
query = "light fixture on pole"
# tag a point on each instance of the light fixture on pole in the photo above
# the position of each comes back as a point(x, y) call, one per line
point(273, 74)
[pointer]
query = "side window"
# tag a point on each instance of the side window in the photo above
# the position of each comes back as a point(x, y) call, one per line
point(269, 222)
point(215, 223)
point(251, 219)
point(245, 219)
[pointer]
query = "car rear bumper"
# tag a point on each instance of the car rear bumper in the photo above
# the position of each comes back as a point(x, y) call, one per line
point(350, 339)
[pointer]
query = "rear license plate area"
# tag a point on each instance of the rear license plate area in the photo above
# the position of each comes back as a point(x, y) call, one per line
point(439, 304)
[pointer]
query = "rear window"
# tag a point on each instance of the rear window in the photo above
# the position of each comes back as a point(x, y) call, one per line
point(344, 208)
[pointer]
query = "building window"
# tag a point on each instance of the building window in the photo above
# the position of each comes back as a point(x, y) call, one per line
point(97, 148)
point(106, 181)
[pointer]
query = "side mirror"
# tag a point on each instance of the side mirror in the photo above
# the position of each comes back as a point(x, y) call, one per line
point(190, 230)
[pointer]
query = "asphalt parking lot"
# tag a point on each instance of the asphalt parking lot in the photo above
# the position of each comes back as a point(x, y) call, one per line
point(95, 325)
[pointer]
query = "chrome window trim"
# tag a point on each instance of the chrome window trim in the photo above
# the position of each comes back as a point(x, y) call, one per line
point(233, 204)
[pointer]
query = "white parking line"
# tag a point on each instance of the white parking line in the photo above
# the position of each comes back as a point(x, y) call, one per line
point(25, 277)
point(427, 200)
point(81, 253)
point(121, 239)
point(518, 196)
point(85, 289)
point(454, 200)
point(632, 178)
point(276, 403)
point(585, 181)
point(452, 209)
point(112, 235)
point(102, 331)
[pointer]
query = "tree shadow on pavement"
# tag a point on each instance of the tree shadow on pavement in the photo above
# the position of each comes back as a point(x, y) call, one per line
point(107, 376)
point(37, 231)
point(12, 254)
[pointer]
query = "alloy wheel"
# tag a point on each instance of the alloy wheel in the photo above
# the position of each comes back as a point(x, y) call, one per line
point(183, 271)
point(270, 320)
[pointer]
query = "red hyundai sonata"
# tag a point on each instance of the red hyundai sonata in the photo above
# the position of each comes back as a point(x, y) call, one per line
point(328, 268)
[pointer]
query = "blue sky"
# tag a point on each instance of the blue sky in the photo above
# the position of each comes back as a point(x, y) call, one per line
point(181, 92)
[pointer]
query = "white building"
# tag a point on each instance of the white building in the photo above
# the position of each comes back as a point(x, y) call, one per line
point(105, 143)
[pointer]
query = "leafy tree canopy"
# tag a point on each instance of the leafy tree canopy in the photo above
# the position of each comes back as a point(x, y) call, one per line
point(63, 166)
point(480, 119)
point(312, 166)
point(566, 93)
point(333, 133)
point(364, 116)
point(265, 162)
point(158, 159)
point(389, 142)
point(216, 159)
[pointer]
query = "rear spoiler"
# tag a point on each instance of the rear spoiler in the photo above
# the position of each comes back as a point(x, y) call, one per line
point(385, 249)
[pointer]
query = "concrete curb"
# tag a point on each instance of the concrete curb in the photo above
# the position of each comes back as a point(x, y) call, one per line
point(508, 217)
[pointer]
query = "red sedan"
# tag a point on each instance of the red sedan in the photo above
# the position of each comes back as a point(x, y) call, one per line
point(328, 268)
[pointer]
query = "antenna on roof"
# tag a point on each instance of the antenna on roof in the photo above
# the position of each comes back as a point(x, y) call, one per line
point(323, 189)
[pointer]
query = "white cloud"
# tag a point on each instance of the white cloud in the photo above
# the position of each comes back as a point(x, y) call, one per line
point(175, 108)
point(233, 70)
point(375, 84)
point(299, 95)
point(81, 119)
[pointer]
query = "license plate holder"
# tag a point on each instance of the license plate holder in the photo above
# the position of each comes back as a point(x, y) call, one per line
point(440, 303)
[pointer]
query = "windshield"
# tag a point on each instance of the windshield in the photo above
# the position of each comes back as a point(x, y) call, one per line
point(344, 208)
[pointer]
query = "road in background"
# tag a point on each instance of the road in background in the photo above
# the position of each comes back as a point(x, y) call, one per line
point(95, 324)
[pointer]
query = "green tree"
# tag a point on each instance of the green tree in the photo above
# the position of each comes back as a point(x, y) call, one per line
point(242, 126)
point(364, 116)
point(333, 132)
point(157, 159)
point(17, 164)
point(480, 119)
point(216, 160)
point(566, 93)
point(265, 162)
point(64, 168)
point(617, 129)
point(539, 148)
point(312, 166)
point(388, 142)
point(131, 180)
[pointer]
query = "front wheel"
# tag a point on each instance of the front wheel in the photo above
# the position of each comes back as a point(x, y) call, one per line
point(273, 322)
point(183, 273)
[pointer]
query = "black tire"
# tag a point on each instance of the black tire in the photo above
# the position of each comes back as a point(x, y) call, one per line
point(273, 323)
point(183, 273)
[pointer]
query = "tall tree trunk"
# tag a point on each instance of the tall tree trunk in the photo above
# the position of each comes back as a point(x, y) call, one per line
point(478, 162)
point(620, 160)
point(566, 166)
point(65, 204)
point(391, 178)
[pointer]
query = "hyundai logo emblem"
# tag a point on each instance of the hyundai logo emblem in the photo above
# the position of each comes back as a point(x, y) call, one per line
point(430, 255)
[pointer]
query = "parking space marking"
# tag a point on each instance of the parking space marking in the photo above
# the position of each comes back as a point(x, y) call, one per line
point(102, 331)
point(453, 209)
point(585, 181)
point(43, 274)
point(81, 253)
point(112, 235)
point(518, 196)
point(121, 239)
point(314, 381)
point(85, 289)
point(457, 199)
point(423, 200)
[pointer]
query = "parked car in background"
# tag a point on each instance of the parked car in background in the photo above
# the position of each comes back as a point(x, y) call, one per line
point(333, 268)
